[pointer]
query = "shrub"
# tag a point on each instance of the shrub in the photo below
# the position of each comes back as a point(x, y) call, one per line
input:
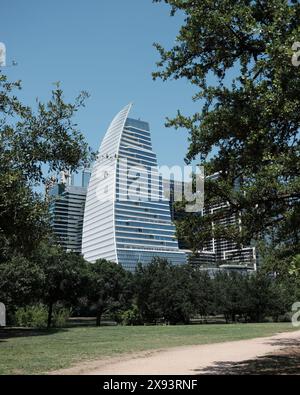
point(31, 316)
point(131, 316)
point(60, 317)
point(287, 317)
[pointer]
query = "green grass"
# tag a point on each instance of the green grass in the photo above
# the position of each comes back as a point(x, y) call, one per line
point(32, 352)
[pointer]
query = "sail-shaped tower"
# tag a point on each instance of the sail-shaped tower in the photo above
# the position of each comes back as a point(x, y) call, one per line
point(127, 219)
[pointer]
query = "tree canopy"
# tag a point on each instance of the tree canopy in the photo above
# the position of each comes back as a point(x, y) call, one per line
point(238, 54)
point(34, 143)
point(108, 287)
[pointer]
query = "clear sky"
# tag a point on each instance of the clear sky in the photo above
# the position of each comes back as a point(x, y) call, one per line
point(104, 47)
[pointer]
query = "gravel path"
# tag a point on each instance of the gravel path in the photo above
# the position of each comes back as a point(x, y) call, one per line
point(197, 359)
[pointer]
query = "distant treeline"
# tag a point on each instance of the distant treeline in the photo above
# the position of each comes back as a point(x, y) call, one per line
point(41, 291)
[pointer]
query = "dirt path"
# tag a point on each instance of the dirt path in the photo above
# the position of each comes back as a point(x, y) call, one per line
point(200, 359)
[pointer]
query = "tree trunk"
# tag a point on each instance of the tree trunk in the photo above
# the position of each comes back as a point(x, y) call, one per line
point(98, 316)
point(50, 310)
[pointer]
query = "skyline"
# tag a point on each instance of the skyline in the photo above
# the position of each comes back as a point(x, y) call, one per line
point(128, 216)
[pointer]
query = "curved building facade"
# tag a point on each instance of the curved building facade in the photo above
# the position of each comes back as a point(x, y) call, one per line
point(127, 220)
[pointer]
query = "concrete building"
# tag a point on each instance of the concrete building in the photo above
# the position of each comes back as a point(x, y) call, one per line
point(218, 252)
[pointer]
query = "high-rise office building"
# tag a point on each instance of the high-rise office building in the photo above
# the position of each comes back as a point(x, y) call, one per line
point(86, 175)
point(218, 252)
point(66, 209)
point(226, 252)
point(127, 219)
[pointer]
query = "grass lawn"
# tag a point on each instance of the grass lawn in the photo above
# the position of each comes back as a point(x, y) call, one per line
point(32, 352)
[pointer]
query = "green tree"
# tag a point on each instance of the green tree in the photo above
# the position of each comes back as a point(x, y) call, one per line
point(109, 287)
point(24, 217)
point(265, 296)
point(295, 267)
point(152, 283)
point(33, 144)
point(65, 277)
point(230, 296)
point(237, 55)
point(164, 292)
point(47, 136)
point(201, 291)
point(179, 303)
point(20, 282)
point(254, 296)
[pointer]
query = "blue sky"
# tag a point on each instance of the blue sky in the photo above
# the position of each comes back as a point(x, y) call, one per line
point(104, 47)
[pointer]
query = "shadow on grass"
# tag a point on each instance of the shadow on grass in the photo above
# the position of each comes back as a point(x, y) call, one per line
point(12, 332)
point(283, 362)
point(8, 333)
point(76, 322)
point(286, 343)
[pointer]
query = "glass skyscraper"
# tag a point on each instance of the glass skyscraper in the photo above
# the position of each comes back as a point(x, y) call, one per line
point(127, 220)
point(67, 209)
